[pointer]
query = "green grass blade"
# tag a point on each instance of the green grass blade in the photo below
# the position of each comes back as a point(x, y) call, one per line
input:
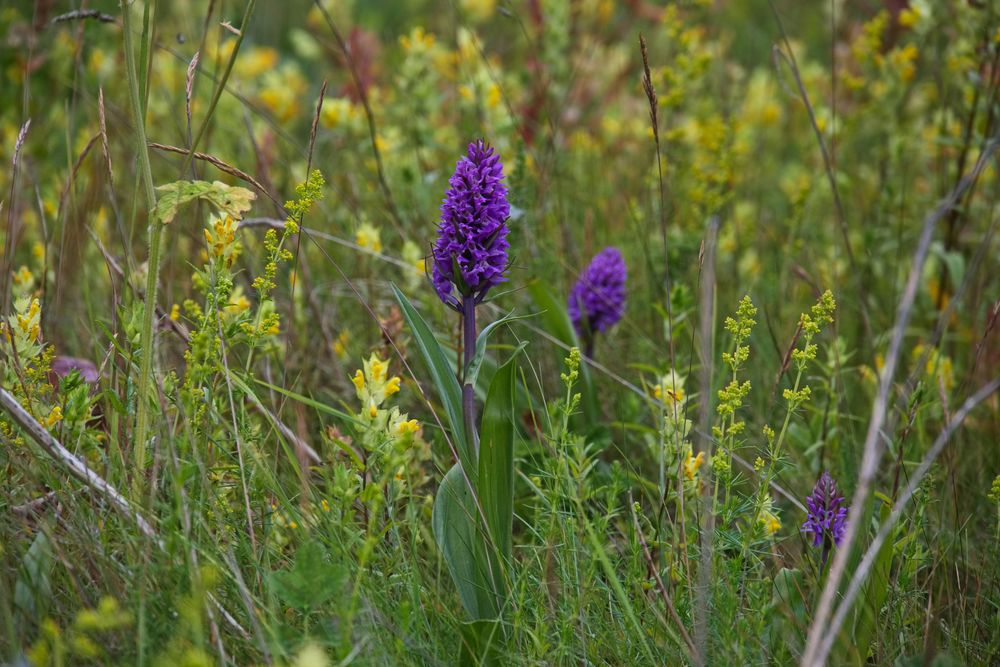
point(443, 377)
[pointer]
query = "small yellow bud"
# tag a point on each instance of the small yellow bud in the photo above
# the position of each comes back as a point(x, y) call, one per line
point(358, 380)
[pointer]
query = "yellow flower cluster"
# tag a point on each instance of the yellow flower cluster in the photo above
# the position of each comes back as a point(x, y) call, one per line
point(374, 385)
point(23, 329)
point(670, 389)
point(369, 237)
point(692, 463)
point(221, 238)
point(768, 518)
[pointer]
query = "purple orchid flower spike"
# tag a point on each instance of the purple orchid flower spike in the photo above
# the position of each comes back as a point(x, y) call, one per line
point(597, 301)
point(826, 518)
point(470, 254)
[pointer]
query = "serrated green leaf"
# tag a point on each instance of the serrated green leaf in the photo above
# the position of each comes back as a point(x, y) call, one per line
point(310, 581)
point(229, 199)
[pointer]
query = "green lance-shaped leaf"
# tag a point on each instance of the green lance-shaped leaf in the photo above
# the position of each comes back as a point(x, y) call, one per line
point(230, 199)
point(443, 377)
point(496, 475)
point(457, 532)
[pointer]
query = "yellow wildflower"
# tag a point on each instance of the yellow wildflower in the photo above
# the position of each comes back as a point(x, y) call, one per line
point(373, 384)
point(909, 17)
point(340, 345)
point(692, 463)
point(368, 237)
point(407, 427)
point(768, 518)
point(670, 388)
point(417, 39)
point(220, 235)
point(478, 10)
point(23, 277)
point(55, 416)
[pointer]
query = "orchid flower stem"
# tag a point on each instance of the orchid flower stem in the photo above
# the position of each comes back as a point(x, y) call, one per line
point(468, 390)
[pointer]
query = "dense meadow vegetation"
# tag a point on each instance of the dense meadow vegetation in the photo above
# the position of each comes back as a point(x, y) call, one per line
point(500, 332)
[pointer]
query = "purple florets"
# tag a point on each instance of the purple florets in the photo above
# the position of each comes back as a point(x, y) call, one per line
point(827, 515)
point(598, 298)
point(472, 236)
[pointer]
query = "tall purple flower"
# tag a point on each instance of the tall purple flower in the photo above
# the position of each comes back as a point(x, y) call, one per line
point(827, 515)
point(597, 300)
point(471, 249)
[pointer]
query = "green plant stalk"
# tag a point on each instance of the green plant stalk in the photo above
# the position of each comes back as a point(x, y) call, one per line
point(152, 277)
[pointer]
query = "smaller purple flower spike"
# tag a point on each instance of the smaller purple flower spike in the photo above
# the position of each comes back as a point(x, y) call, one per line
point(827, 514)
point(597, 301)
point(471, 249)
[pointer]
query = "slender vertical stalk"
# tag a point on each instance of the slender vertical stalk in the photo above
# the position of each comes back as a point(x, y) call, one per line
point(468, 390)
point(152, 276)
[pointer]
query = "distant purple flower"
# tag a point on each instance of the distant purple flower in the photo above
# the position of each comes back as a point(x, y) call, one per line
point(472, 235)
point(597, 300)
point(827, 515)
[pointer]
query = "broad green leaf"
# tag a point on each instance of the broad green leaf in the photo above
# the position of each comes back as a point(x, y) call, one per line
point(310, 581)
point(443, 377)
point(33, 590)
point(229, 199)
point(496, 474)
point(456, 531)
